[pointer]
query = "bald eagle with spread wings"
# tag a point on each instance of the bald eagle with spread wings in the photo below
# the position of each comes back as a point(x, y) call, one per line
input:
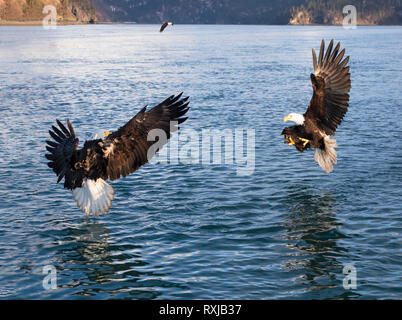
point(331, 85)
point(120, 153)
point(164, 25)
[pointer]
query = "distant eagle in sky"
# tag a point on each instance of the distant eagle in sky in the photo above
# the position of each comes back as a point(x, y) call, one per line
point(120, 153)
point(331, 85)
point(165, 24)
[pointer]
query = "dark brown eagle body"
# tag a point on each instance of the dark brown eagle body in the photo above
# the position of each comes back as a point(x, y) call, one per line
point(87, 162)
point(117, 155)
point(296, 132)
point(328, 105)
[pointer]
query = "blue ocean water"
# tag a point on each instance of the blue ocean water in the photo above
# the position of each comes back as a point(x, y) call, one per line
point(200, 231)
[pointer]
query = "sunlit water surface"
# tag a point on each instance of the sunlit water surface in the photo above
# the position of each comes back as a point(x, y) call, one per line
point(198, 230)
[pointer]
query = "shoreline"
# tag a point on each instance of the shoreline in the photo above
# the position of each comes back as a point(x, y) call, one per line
point(39, 23)
point(70, 23)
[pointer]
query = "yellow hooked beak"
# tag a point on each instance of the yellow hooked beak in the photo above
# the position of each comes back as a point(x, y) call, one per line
point(106, 133)
point(287, 118)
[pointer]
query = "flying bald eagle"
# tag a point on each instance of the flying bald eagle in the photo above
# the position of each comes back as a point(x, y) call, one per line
point(120, 153)
point(165, 24)
point(331, 85)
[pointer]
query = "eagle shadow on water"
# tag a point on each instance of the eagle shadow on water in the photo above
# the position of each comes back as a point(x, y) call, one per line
point(93, 264)
point(313, 235)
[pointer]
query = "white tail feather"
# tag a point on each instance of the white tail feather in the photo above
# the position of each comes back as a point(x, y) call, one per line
point(94, 197)
point(326, 156)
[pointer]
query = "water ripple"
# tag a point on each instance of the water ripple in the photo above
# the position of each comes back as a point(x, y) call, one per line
point(200, 231)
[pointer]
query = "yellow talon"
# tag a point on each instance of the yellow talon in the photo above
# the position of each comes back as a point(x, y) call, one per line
point(305, 141)
point(291, 142)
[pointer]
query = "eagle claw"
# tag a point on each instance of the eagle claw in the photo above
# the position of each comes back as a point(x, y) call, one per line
point(305, 141)
point(291, 142)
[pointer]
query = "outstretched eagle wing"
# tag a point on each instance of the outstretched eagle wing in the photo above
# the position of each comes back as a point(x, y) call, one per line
point(164, 25)
point(331, 84)
point(127, 148)
point(61, 150)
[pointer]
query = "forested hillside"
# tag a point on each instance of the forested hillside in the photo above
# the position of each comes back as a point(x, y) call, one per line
point(199, 11)
point(369, 12)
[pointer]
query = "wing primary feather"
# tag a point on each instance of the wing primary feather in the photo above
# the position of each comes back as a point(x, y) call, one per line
point(181, 113)
point(339, 57)
point(181, 120)
point(322, 48)
point(63, 128)
point(50, 149)
point(70, 127)
point(329, 49)
point(55, 137)
point(51, 143)
point(176, 98)
point(178, 105)
point(58, 132)
point(314, 60)
point(344, 62)
point(334, 53)
point(61, 175)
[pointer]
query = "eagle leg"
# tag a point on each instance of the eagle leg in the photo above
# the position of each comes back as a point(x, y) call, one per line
point(305, 141)
point(291, 142)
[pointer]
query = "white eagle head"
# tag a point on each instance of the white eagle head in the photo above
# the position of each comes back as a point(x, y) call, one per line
point(294, 117)
point(101, 134)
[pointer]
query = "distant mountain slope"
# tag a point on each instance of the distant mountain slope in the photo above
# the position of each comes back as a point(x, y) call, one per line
point(199, 11)
point(249, 11)
point(31, 10)
point(206, 11)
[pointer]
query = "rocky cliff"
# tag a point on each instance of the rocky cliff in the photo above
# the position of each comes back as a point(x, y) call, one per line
point(68, 11)
point(368, 12)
